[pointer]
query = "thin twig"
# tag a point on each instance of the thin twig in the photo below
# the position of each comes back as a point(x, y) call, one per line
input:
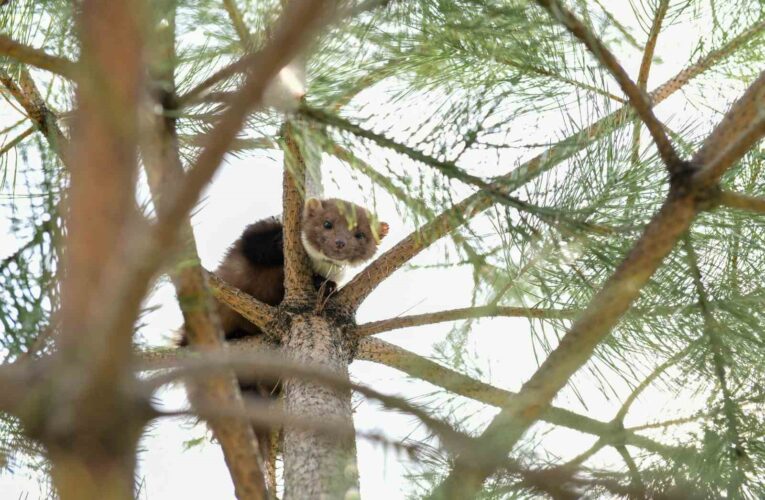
point(16, 140)
point(645, 68)
point(273, 365)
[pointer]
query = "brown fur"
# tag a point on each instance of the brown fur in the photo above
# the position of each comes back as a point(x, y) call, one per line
point(262, 282)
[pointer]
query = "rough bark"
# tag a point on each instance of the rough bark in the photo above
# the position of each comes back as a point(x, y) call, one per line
point(317, 465)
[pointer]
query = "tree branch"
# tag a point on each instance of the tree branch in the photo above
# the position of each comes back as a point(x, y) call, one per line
point(300, 20)
point(379, 351)
point(742, 201)
point(645, 68)
point(742, 126)
point(298, 284)
point(92, 373)
point(36, 57)
point(256, 312)
point(201, 323)
point(375, 327)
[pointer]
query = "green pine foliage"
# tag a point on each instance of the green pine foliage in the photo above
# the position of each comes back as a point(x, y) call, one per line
point(492, 84)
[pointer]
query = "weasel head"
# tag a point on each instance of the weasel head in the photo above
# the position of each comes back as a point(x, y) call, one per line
point(338, 234)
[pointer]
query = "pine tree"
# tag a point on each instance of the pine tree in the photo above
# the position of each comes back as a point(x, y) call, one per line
point(526, 141)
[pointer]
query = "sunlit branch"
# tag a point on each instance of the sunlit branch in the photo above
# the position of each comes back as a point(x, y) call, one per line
point(464, 313)
point(637, 97)
point(650, 46)
point(742, 127)
point(35, 57)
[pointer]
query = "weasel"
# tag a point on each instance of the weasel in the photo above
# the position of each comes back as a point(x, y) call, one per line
point(336, 235)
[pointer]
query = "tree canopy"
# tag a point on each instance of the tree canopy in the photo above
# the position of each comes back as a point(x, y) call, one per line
point(594, 166)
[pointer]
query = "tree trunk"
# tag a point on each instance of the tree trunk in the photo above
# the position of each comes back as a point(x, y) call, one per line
point(316, 465)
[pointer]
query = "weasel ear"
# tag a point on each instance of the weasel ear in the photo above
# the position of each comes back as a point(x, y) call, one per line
point(312, 205)
point(382, 230)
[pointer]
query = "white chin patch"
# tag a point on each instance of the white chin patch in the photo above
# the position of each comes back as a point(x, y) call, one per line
point(333, 270)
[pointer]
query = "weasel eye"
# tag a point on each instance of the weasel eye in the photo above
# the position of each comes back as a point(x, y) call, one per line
point(359, 235)
point(327, 224)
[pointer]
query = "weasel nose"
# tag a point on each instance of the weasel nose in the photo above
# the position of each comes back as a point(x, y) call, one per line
point(339, 243)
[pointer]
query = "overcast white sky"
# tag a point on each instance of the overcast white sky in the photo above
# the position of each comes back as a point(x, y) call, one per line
point(247, 189)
